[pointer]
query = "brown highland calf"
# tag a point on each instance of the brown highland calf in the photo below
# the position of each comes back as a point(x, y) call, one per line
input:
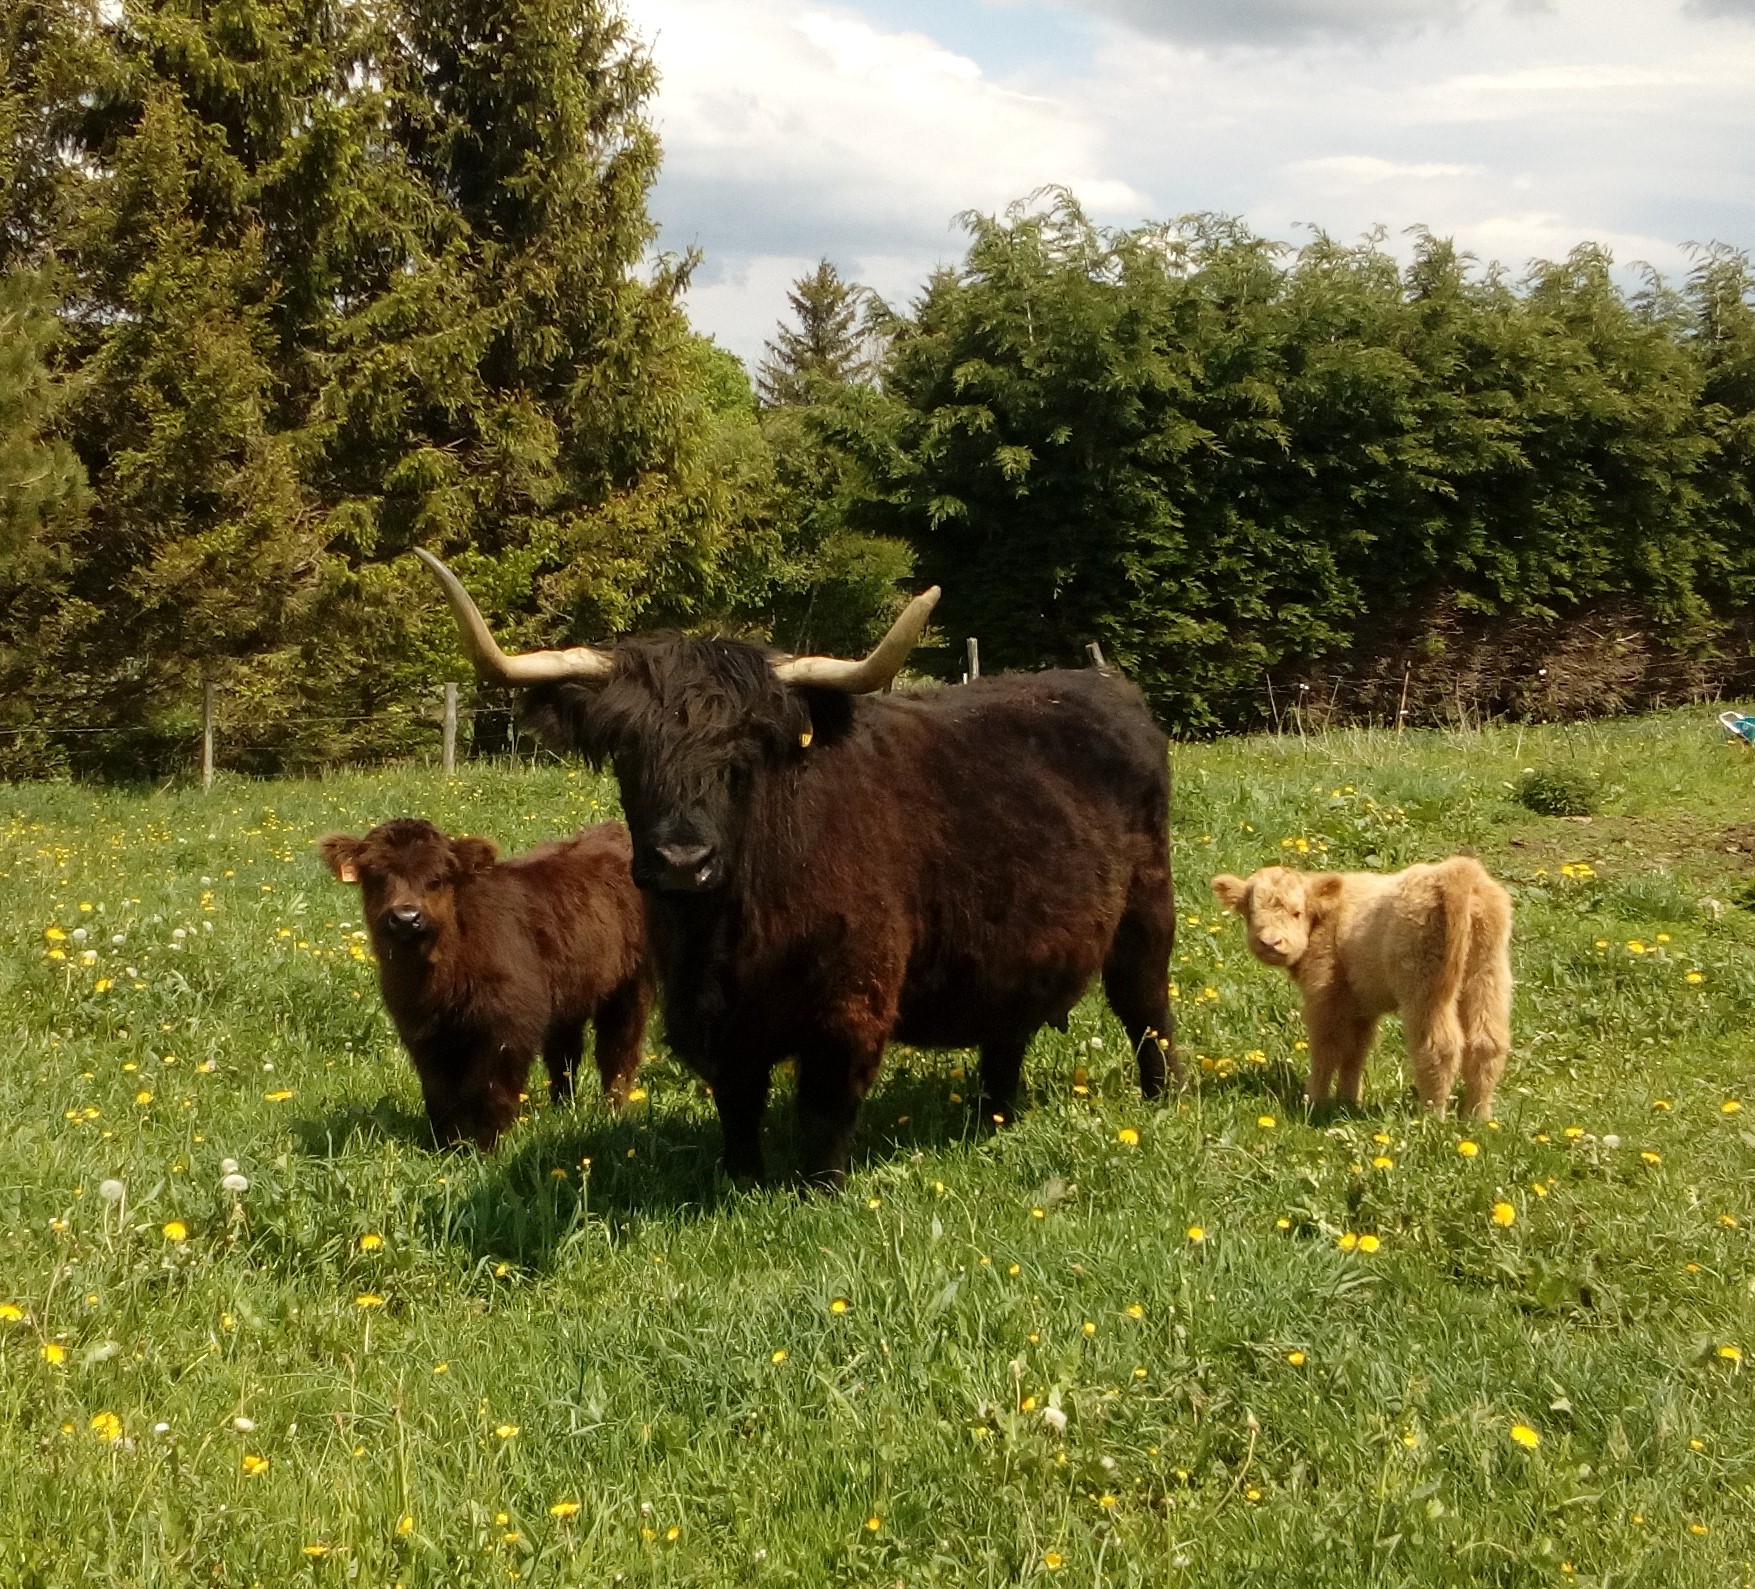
point(1432, 942)
point(482, 962)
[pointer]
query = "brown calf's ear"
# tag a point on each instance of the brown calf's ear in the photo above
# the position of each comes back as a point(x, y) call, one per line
point(1233, 892)
point(340, 852)
point(473, 855)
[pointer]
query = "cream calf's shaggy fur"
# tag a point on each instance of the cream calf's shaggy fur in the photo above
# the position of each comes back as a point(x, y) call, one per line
point(1431, 942)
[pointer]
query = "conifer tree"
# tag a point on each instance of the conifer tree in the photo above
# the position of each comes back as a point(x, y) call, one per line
point(828, 346)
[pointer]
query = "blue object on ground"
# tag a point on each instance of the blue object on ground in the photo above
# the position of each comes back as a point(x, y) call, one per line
point(1743, 727)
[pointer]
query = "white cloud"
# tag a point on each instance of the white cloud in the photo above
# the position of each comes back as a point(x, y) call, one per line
point(795, 130)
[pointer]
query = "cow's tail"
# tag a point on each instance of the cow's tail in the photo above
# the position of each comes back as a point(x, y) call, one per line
point(1458, 883)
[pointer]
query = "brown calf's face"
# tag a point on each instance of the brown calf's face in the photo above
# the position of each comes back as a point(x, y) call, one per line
point(1275, 904)
point(407, 872)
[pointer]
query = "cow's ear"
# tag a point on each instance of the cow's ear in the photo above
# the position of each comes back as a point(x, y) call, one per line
point(1322, 892)
point(1233, 892)
point(473, 855)
point(340, 852)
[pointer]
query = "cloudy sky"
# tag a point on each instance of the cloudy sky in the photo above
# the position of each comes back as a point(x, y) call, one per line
point(798, 129)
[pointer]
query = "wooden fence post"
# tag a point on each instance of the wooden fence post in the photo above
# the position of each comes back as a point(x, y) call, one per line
point(207, 694)
point(974, 657)
point(449, 759)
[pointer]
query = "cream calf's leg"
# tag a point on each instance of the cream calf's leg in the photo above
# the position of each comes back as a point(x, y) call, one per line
point(1339, 1039)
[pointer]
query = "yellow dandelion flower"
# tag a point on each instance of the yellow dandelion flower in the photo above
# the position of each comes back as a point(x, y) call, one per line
point(54, 934)
point(565, 1509)
point(54, 1353)
point(1731, 1354)
point(1197, 1234)
point(506, 1430)
point(368, 1299)
point(253, 1465)
point(1369, 1243)
point(1089, 1328)
point(1252, 1494)
point(143, 1097)
point(1135, 1311)
point(1573, 1133)
point(280, 1095)
point(1028, 1404)
point(673, 1533)
point(636, 1094)
point(1504, 1215)
point(1106, 1500)
point(107, 1427)
point(839, 1305)
point(10, 1313)
point(371, 1242)
point(1014, 1269)
point(1522, 1434)
point(1729, 1107)
point(1282, 1223)
point(779, 1355)
point(1646, 1156)
point(102, 985)
point(175, 1230)
point(1266, 1122)
point(1729, 1221)
point(1347, 1241)
point(316, 1550)
point(1694, 978)
point(1635, 947)
point(873, 1523)
point(1038, 1213)
point(405, 1525)
point(1697, 1528)
point(1296, 1359)
point(1660, 1103)
point(1467, 1148)
point(1053, 1560)
point(1383, 1162)
point(1128, 1137)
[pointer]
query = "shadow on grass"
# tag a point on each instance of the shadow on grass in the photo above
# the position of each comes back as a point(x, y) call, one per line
point(591, 1174)
point(359, 1126)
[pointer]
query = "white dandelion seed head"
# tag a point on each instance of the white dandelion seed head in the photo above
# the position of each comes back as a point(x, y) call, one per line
point(244, 1426)
point(207, 882)
point(1055, 1419)
point(1107, 1464)
point(77, 935)
point(161, 1428)
point(118, 939)
point(1611, 1141)
point(112, 1191)
point(234, 1183)
point(178, 934)
point(228, 1166)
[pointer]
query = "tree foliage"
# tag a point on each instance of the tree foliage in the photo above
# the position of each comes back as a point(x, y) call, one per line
point(1223, 460)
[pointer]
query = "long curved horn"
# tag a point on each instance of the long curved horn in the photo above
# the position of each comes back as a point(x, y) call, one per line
point(492, 665)
point(874, 671)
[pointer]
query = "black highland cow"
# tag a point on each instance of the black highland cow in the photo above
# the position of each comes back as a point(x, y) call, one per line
point(825, 868)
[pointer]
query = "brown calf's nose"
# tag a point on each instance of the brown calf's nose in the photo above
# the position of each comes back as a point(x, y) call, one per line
point(405, 918)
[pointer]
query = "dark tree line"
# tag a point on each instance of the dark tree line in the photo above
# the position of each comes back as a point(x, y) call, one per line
point(288, 286)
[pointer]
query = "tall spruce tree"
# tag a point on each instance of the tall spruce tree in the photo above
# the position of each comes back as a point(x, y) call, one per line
point(829, 345)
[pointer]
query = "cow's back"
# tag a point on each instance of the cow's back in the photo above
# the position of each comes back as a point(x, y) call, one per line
point(960, 857)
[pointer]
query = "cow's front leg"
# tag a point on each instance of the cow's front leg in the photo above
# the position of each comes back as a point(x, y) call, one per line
point(741, 1096)
point(1002, 1062)
point(832, 1083)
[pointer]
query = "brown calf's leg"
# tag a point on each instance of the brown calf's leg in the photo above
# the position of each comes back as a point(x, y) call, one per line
point(561, 1051)
point(621, 1028)
point(1350, 1066)
point(1485, 1017)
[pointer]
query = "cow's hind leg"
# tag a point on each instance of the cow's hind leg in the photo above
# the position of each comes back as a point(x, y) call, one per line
point(1435, 1049)
point(1484, 1013)
point(1002, 1062)
point(621, 1028)
point(1136, 978)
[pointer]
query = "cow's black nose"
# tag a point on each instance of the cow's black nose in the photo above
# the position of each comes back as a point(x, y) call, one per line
point(405, 919)
point(686, 866)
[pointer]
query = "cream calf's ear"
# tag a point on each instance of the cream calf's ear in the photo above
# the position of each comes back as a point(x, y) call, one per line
point(340, 852)
point(1233, 892)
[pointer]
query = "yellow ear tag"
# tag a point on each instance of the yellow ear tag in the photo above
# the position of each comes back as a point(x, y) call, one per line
point(804, 740)
point(349, 872)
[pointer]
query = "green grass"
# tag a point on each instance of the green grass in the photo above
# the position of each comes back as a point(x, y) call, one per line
point(755, 1388)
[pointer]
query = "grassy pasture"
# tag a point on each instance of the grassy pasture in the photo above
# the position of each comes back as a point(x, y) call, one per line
point(1207, 1342)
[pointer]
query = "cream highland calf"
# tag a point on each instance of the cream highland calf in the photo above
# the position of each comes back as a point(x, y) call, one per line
point(1431, 942)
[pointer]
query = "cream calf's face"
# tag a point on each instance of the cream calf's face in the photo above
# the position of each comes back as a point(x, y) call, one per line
point(1274, 904)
